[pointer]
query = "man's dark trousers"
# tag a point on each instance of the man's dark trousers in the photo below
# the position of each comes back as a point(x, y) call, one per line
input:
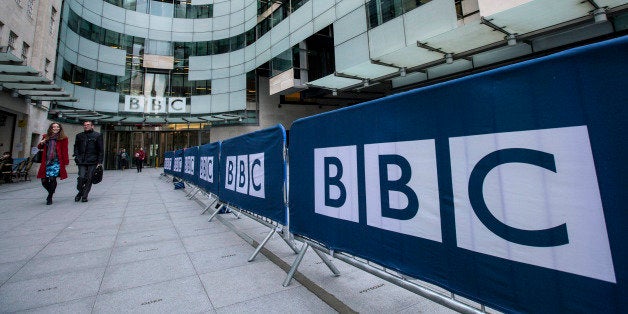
point(84, 181)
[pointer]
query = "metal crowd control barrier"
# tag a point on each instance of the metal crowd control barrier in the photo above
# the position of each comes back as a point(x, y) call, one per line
point(163, 177)
point(447, 301)
point(274, 227)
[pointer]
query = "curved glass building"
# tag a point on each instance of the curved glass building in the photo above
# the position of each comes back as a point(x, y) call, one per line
point(165, 74)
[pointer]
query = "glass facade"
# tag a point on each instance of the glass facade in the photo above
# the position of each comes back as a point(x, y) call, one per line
point(118, 40)
point(379, 12)
point(168, 8)
point(137, 81)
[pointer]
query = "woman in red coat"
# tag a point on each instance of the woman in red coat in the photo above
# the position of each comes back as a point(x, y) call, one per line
point(54, 159)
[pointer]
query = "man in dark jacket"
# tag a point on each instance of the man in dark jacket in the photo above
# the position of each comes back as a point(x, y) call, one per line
point(88, 154)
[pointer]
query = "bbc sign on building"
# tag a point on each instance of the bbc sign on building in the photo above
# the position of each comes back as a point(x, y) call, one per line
point(155, 104)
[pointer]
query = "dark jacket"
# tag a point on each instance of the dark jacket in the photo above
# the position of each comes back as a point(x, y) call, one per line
point(88, 148)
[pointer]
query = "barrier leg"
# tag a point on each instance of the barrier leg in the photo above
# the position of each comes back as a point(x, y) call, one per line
point(195, 192)
point(191, 190)
point(290, 243)
point(215, 213)
point(295, 265)
point(210, 205)
point(327, 262)
point(259, 247)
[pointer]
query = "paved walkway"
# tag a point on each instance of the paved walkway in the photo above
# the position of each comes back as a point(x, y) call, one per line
point(140, 246)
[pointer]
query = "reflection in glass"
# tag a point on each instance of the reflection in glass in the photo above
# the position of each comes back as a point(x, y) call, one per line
point(155, 84)
point(162, 8)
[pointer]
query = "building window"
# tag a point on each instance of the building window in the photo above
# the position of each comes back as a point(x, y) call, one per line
point(381, 11)
point(25, 48)
point(53, 20)
point(29, 8)
point(12, 40)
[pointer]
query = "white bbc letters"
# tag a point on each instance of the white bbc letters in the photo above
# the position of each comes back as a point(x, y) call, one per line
point(230, 173)
point(402, 188)
point(189, 165)
point(528, 196)
point(206, 168)
point(336, 182)
point(245, 174)
point(242, 174)
point(168, 163)
point(154, 105)
point(537, 202)
point(256, 168)
point(178, 163)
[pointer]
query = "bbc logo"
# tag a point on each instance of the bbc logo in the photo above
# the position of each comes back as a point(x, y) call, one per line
point(245, 174)
point(528, 196)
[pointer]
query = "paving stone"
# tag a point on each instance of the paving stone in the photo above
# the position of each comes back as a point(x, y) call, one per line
point(184, 295)
point(38, 292)
point(135, 274)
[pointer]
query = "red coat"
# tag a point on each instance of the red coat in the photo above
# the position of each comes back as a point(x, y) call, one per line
point(140, 154)
point(62, 154)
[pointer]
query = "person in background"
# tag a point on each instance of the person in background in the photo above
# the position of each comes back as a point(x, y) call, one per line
point(7, 165)
point(54, 158)
point(88, 154)
point(123, 159)
point(140, 155)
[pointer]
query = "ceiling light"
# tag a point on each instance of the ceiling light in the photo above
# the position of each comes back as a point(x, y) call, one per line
point(334, 92)
point(512, 39)
point(366, 83)
point(402, 72)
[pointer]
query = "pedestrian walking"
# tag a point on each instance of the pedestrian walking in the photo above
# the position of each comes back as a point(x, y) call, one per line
point(140, 155)
point(123, 159)
point(54, 158)
point(88, 154)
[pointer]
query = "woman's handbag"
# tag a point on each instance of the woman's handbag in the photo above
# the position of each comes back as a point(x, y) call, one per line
point(37, 158)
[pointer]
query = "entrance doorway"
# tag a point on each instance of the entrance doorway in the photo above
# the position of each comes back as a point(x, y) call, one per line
point(7, 131)
point(155, 143)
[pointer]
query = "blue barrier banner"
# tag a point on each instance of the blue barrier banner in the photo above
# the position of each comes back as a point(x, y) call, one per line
point(168, 156)
point(209, 167)
point(253, 173)
point(190, 164)
point(177, 164)
point(506, 187)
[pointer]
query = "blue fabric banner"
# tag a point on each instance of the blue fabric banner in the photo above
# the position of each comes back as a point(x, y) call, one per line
point(177, 164)
point(190, 164)
point(168, 156)
point(506, 187)
point(209, 167)
point(253, 173)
